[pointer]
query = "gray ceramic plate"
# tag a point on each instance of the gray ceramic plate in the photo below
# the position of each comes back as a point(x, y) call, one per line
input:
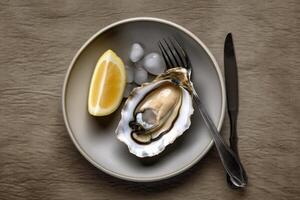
point(95, 138)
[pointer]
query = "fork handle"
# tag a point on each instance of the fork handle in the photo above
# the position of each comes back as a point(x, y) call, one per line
point(229, 159)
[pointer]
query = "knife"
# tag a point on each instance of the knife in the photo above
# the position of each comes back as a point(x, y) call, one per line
point(231, 82)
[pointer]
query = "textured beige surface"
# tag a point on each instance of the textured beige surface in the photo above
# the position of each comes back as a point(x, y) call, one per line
point(37, 42)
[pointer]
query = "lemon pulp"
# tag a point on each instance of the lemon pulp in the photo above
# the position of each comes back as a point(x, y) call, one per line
point(107, 85)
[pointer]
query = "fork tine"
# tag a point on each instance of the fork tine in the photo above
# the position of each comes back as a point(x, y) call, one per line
point(182, 64)
point(182, 51)
point(165, 55)
point(172, 64)
point(187, 60)
point(176, 64)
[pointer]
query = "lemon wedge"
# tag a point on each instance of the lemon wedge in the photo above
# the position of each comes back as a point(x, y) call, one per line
point(107, 85)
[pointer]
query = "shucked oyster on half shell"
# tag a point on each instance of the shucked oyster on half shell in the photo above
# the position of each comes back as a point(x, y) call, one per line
point(156, 113)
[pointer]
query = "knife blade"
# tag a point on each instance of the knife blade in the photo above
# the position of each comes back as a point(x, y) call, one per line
point(231, 75)
point(232, 94)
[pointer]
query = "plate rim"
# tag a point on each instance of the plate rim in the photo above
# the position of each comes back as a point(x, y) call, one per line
point(122, 176)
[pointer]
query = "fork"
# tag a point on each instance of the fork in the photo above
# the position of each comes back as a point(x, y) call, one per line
point(175, 56)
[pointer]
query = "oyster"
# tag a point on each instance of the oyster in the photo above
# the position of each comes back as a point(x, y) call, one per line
point(156, 113)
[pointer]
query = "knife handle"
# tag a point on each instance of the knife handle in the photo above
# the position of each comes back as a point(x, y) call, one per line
point(233, 132)
point(233, 140)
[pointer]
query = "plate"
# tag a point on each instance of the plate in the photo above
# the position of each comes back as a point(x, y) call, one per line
point(94, 137)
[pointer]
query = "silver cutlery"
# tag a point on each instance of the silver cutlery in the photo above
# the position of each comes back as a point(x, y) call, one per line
point(231, 82)
point(175, 56)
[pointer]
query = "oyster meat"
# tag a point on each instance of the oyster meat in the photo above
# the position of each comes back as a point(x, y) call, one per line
point(156, 113)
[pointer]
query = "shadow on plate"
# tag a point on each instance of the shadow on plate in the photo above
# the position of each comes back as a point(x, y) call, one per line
point(104, 123)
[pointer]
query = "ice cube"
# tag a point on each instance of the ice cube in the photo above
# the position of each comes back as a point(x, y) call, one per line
point(140, 75)
point(136, 52)
point(154, 64)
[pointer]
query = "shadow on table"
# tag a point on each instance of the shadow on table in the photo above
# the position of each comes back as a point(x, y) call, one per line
point(168, 185)
point(162, 186)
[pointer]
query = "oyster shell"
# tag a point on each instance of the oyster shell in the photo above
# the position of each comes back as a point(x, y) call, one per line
point(156, 113)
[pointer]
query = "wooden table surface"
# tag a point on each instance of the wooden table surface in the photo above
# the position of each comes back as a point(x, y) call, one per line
point(37, 42)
